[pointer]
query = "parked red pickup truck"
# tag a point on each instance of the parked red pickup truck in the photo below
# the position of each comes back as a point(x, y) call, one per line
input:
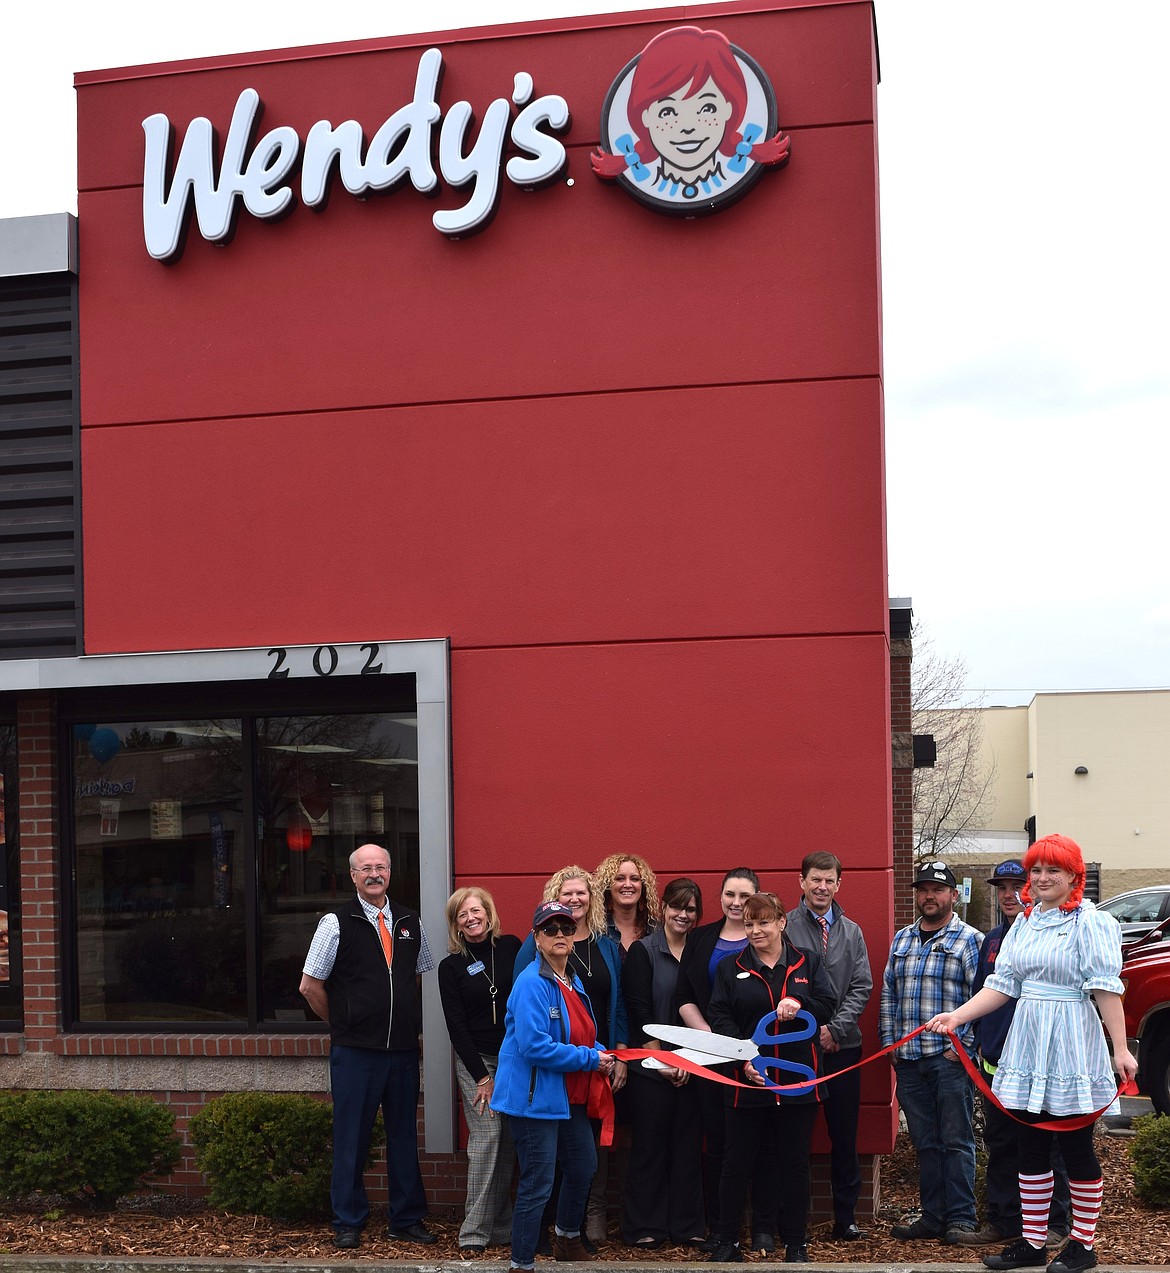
point(1146, 973)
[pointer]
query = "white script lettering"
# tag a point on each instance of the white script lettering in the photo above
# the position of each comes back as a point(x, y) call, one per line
point(261, 181)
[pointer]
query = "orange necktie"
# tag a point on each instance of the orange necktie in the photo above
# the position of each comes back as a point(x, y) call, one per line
point(387, 940)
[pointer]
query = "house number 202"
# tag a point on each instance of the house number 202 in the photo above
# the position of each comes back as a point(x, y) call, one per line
point(324, 661)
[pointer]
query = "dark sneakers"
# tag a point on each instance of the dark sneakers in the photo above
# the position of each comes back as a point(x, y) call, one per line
point(796, 1253)
point(1019, 1254)
point(727, 1253)
point(764, 1242)
point(917, 1231)
point(347, 1239)
point(1074, 1258)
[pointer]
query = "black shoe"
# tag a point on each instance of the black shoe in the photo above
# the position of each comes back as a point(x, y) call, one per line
point(848, 1233)
point(726, 1252)
point(764, 1242)
point(917, 1231)
point(709, 1243)
point(647, 1243)
point(416, 1232)
point(1019, 1254)
point(1074, 1258)
point(472, 1252)
point(347, 1239)
point(796, 1253)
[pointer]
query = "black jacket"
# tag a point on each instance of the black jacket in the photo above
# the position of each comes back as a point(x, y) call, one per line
point(370, 1005)
point(746, 990)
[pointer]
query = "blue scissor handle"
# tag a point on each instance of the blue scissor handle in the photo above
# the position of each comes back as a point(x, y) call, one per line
point(764, 1037)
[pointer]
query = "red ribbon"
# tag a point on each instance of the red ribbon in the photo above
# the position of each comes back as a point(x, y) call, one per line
point(1127, 1088)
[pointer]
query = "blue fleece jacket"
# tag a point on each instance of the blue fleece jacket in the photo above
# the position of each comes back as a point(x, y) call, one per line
point(536, 1055)
point(619, 1030)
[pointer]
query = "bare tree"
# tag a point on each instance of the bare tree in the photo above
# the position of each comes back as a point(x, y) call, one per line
point(953, 800)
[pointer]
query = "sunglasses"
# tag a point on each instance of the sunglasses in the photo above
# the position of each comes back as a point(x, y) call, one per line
point(558, 928)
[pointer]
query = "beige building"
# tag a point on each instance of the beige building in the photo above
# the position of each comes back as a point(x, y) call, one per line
point(1094, 766)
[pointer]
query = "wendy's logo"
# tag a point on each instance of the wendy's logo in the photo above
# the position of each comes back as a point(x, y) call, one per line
point(689, 125)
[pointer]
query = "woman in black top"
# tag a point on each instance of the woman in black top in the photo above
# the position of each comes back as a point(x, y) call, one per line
point(474, 983)
point(769, 1136)
point(705, 948)
point(663, 1195)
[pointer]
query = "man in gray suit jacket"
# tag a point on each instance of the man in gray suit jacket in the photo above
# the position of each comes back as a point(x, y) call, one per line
point(819, 923)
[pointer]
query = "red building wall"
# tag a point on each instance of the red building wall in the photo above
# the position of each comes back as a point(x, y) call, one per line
point(631, 465)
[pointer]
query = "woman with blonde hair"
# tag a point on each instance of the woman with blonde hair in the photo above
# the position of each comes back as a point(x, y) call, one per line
point(474, 983)
point(629, 893)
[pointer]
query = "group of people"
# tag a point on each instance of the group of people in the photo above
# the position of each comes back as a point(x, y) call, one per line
point(537, 1026)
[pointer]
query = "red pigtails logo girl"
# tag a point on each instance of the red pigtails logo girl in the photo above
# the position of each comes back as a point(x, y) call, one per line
point(690, 123)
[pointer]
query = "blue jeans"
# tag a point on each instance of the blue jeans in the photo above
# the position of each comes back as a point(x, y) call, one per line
point(938, 1100)
point(540, 1144)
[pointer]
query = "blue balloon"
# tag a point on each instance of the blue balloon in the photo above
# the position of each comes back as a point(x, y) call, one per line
point(104, 745)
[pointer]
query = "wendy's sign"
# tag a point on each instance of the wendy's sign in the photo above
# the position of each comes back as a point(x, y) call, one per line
point(690, 124)
point(687, 127)
point(260, 175)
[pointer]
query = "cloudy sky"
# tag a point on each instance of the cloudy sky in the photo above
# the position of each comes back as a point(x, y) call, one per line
point(1026, 267)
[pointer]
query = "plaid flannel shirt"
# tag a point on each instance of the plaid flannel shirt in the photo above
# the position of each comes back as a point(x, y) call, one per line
point(923, 980)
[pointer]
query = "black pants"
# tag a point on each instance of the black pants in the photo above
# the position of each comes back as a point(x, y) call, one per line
point(1001, 1136)
point(842, 1105)
point(663, 1193)
point(768, 1146)
point(1035, 1148)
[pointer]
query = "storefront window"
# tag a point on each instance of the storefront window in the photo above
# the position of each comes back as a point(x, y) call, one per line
point(206, 850)
point(324, 786)
point(11, 997)
point(158, 818)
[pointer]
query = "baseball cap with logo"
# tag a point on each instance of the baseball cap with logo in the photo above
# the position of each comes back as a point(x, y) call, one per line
point(551, 910)
point(1008, 872)
point(935, 873)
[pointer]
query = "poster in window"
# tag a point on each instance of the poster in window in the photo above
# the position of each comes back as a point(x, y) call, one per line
point(109, 813)
point(166, 819)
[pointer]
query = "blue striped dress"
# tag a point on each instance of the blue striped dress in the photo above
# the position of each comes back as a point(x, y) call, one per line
point(1055, 1057)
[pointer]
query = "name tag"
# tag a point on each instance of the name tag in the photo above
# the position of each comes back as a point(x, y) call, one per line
point(472, 969)
point(739, 976)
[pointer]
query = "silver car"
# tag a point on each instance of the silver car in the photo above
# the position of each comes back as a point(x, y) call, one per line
point(1140, 911)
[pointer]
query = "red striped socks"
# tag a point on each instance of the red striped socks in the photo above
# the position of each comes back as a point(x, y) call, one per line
point(1086, 1207)
point(1035, 1199)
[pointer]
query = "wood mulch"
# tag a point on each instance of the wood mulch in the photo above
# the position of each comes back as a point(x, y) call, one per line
point(163, 1225)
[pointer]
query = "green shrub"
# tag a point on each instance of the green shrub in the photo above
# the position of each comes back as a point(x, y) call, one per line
point(86, 1146)
point(1149, 1156)
point(267, 1154)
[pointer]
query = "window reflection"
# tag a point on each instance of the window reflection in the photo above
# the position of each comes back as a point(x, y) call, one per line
point(160, 880)
point(325, 785)
point(188, 833)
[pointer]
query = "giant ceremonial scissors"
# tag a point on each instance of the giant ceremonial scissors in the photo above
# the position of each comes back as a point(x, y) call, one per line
point(704, 1048)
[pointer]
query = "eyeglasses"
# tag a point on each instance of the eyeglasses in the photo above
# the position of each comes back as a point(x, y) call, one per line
point(563, 929)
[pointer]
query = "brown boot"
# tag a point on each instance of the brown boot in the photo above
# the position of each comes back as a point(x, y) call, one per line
point(569, 1248)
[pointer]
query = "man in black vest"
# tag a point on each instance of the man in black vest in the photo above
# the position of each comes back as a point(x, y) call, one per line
point(363, 975)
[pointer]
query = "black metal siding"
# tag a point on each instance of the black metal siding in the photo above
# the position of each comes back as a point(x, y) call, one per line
point(40, 479)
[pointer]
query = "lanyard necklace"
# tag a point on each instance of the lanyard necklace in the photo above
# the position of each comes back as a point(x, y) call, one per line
point(491, 978)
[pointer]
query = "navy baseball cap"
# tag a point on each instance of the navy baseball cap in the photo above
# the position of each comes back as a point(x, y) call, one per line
point(551, 910)
point(1008, 872)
